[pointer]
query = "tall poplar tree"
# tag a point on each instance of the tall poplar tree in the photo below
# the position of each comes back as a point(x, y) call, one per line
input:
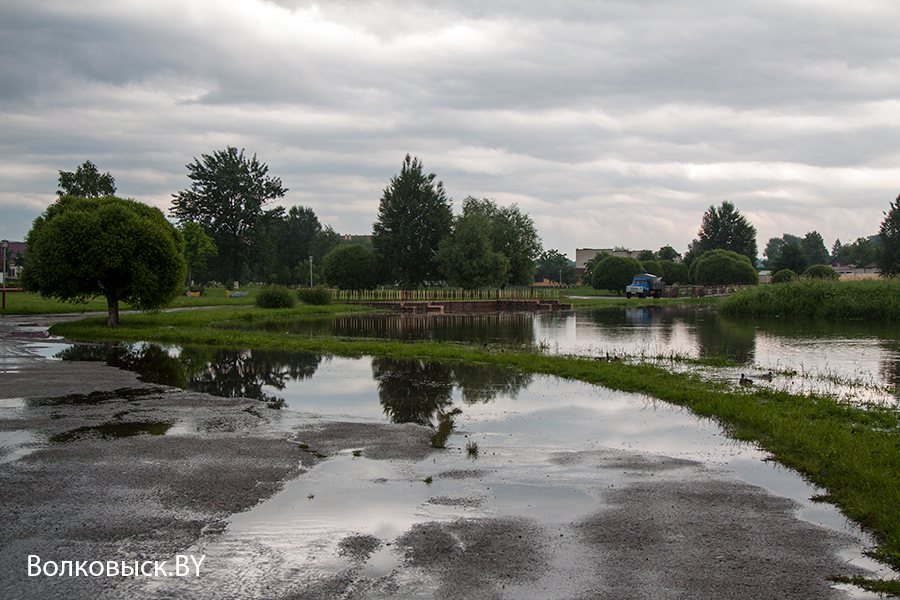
point(888, 256)
point(414, 216)
point(726, 229)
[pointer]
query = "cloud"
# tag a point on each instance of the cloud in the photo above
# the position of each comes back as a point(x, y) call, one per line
point(610, 123)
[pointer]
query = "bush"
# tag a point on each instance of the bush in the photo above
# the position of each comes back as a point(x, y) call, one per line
point(723, 266)
point(350, 267)
point(783, 276)
point(614, 273)
point(653, 267)
point(821, 272)
point(674, 272)
point(318, 295)
point(275, 296)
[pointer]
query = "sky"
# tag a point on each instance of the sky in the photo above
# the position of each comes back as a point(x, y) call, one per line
point(610, 123)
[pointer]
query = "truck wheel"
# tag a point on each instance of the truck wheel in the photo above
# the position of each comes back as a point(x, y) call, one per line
point(628, 294)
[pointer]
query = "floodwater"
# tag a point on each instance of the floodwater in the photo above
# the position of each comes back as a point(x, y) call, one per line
point(853, 359)
point(520, 426)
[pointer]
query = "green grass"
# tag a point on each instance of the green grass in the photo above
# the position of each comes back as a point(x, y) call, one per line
point(852, 452)
point(26, 303)
point(871, 299)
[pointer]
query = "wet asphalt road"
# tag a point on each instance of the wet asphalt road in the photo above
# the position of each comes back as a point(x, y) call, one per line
point(96, 465)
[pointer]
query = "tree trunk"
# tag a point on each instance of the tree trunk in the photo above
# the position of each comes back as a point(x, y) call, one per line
point(112, 301)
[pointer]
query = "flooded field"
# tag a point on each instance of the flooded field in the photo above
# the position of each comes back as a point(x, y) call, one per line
point(540, 488)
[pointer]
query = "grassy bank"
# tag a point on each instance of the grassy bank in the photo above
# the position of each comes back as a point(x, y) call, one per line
point(851, 452)
point(26, 303)
point(867, 299)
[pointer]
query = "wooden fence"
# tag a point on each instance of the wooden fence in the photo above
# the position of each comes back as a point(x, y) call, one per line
point(395, 295)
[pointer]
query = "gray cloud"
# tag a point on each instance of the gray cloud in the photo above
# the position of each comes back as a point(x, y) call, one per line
point(611, 123)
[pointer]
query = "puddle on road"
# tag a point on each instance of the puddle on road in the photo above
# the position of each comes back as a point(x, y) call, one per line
point(548, 450)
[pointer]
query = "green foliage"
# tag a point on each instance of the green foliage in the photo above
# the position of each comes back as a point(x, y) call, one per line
point(119, 249)
point(552, 263)
point(722, 266)
point(350, 267)
point(645, 255)
point(198, 248)
point(465, 256)
point(888, 256)
point(614, 273)
point(877, 300)
point(726, 229)
point(861, 253)
point(317, 296)
point(652, 266)
point(86, 182)
point(414, 216)
point(783, 276)
point(791, 257)
point(673, 272)
point(588, 274)
point(512, 234)
point(226, 198)
point(814, 248)
point(275, 296)
point(821, 272)
point(666, 253)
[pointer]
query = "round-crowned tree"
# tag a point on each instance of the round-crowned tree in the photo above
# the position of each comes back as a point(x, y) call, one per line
point(350, 267)
point(821, 272)
point(121, 249)
point(784, 276)
point(723, 266)
point(614, 273)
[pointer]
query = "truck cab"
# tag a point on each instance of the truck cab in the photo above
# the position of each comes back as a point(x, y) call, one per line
point(645, 285)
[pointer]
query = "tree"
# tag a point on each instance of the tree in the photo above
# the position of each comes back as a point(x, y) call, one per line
point(295, 235)
point(589, 267)
point(673, 272)
point(227, 195)
point(614, 273)
point(512, 234)
point(814, 248)
point(666, 253)
point(554, 263)
point(773, 247)
point(860, 253)
point(645, 255)
point(723, 266)
point(198, 248)
point(86, 182)
point(123, 250)
point(652, 266)
point(465, 256)
point(414, 216)
point(792, 257)
point(350, 267)
point(888, 256)
point(726, 229)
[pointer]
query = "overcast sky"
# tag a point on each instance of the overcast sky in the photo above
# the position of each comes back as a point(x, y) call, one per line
point(610, 123)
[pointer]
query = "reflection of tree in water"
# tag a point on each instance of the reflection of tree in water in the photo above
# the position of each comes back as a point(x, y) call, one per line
point(412, 391)
point(151, 362)
point(235, 373)
point(416, 391)
point(495, 328)
point(221, 372)
point(731, 338)
point(482, 383)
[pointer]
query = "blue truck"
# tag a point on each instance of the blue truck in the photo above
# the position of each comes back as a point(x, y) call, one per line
point(645, 285)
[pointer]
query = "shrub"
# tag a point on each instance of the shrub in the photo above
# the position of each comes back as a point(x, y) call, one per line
point(350, 267)
point(614, 273)
point(274, 296)
point(821, 272)
point(783, 276)
point(723, 266)
point(674, 272)
point(318, 295)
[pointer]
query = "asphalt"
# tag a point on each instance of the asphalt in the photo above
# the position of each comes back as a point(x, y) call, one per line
point(96, 465)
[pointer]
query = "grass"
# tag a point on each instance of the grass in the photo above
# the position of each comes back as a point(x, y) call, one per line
point(26, 303)
point(871, 299)
point(850, 451)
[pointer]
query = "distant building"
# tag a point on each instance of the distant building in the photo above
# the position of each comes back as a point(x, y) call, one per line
point(583, 255)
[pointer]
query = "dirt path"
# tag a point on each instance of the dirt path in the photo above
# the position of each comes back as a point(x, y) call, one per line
point(96, 465)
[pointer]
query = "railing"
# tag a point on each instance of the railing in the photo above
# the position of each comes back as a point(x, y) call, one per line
point(395, 295)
